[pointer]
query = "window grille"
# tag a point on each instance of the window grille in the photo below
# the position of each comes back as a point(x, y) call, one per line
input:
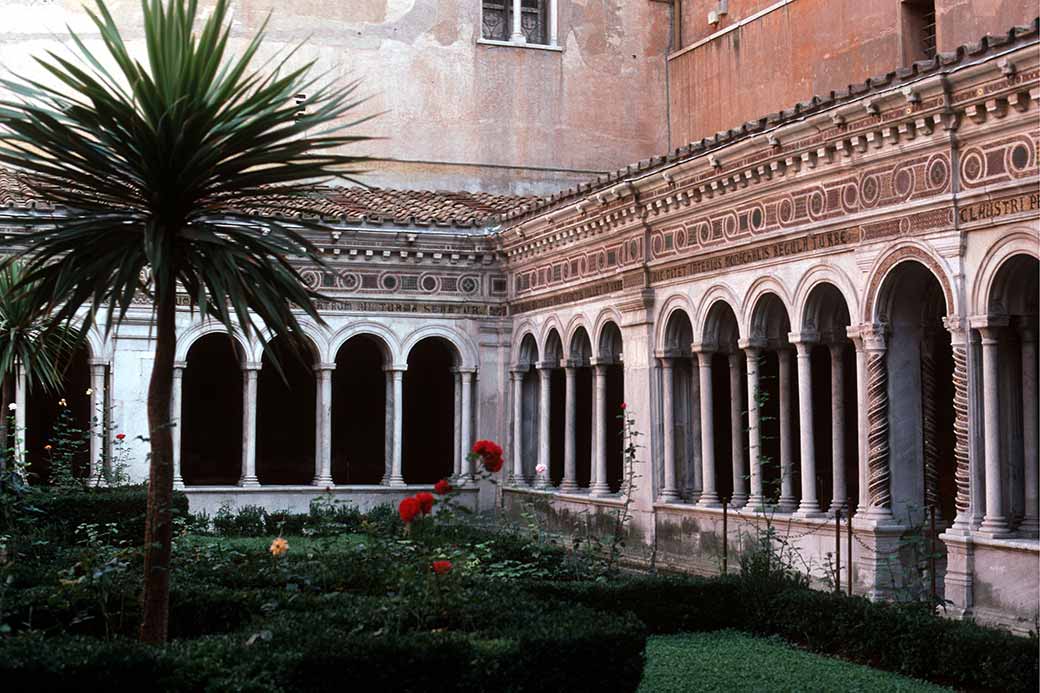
point(928, 33)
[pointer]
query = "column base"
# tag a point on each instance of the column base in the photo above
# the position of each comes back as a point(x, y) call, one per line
point(178, 483)
point(755, 504)
point(994, 527)
point(397, 482)
point(249, 482)
point(809, 511)
point(568, 486)
point(599, 490)
point(738, 500)
point(787, 504)
point(669, 495)
point(541, 483)
point(322, 481)
point(835, 507)
point(1030, 527)
point(709, 500)
point(692, 495)
point(517, 481)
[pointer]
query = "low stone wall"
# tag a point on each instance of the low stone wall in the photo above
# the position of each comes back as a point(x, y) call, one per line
point(297, 499)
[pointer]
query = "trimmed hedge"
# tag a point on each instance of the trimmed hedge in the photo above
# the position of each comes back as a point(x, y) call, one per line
point(905, 638)
point(514, 644)
point(59, 513)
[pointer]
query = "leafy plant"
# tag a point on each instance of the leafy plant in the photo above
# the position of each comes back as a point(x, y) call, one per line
point(155, 163)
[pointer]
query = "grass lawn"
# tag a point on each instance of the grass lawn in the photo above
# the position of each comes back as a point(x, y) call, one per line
point(730, 661)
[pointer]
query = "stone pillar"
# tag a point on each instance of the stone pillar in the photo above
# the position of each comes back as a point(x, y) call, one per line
point(456, 472)
point(466, 428)
point(518, 32)
point(517, 378)
point(861, 417)
point(98, 434)
point(879, 485)
point(541, 480)
point(809, 506)
point(736, 432)
point(388, 427)
point(599, 486)
point(176, 404)
point(21, 394)
point(552, 10)
point(693, 475)
point(959, 334)
point(251, 372)
point(709, 493)
point(396, 470)
point(838, 495)
point(752, 353)
point(995, 522)
point(1030, 444)
point(570, 465)
point(323, 424)
point(788, 500)
point(670, 492)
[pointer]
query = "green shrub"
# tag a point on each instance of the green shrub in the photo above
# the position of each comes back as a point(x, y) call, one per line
point(58, 513)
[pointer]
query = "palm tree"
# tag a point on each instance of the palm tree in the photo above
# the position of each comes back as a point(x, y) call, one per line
point(158, 165)
point(29, 340)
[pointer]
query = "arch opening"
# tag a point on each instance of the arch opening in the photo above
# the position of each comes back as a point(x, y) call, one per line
point(285, 415)
point(361, 399)
point(581, 358)
point(428, 438)
point(57, 436)
point(611, 355)
point(211, 412)
point(728, 383)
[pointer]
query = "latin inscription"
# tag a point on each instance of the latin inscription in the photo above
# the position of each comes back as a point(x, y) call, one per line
point(785, 248)
point(992, 209)
point(410, 307)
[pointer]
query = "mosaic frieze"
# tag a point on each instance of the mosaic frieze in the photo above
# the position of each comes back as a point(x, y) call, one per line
point(1000, 161)
point(396, 281)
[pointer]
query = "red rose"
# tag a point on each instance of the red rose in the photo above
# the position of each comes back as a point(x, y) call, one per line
point(442, 567)
point(425, 501)
point(408, 509)
point(120, 436)
point(442, 487)
point(493, 463)
point(624, 406)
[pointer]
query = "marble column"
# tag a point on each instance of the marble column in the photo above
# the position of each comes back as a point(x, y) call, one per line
point(388, 427)
point(959, 348)
point(995, 522)
point(98, 433)
point(323, 425)
point(518, 35)
point(396, 470)
point(176, 403)
point(517, 378)
point(541, 479)
point(863, 500)
point(693, 473)
point(736, 432)
point(1030, 444)
point(466, 427)
point(788, 500)
point(670, 491)
point(809, 506)
point(599, 486)
point(879, 473)
point(839, 492)
point(752, 354)
point(709, 493)
point(456, 472)
point(570, 468)
point(21, 394)
point(250, 372)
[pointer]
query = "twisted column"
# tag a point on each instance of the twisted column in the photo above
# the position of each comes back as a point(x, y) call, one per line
point(929, 423)
point(962, 462)
point(879, 475)
point(670, 492)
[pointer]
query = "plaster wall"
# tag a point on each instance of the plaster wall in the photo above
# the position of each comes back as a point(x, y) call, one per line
point(457, 114)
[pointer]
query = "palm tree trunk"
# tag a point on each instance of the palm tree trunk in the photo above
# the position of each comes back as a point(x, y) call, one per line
point(158, 522)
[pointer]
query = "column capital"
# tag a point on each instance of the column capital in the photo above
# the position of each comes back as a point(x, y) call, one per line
point(803, 339)
point(516, 374)
point(252, 366)
point(752, 344)
point(395, 368)
point(179, 365)
point(869, 336)
point(324, 367)
point(464, 369)
point(955, 324)
point(546, 365)
point(602, 362)
point(990, 322)
point(99, 362)
point(666, 358)
point(704, 347)
point(572, 364)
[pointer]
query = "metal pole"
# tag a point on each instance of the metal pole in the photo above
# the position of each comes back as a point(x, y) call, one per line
point(931, 556)
point(848, 559)
point(725, 534)
point(837, 550)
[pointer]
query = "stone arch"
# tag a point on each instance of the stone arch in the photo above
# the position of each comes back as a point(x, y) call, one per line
point(465, 354)
point(761, 287)
point(676, 303)
point(714, 295)
point(550, 327)
point(526, 350)
point(823, 274)
point(315, 339)
point(1019, 242)
point(769, 319)
point(200, 329)
point(552, 346)
point(577, 327)
point(605, 317)
point(379, 333)
point(883, 268)
point(720, 327)
point(610, 346)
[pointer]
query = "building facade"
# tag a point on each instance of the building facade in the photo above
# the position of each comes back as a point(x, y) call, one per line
point(828, 310)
